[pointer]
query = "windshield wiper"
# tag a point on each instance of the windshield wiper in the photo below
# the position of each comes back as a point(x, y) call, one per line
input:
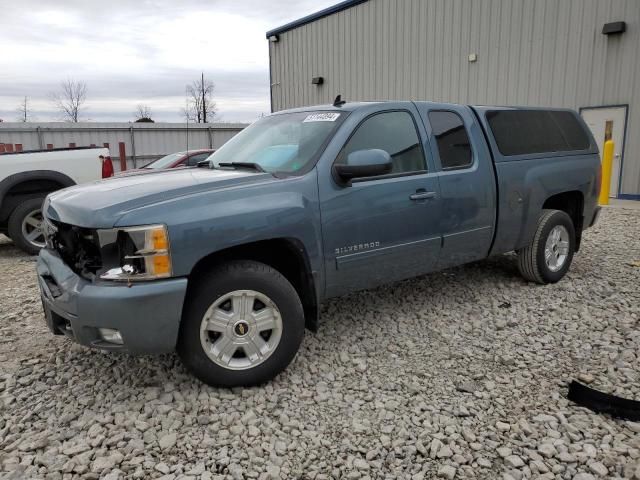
point(204, 163)
point(249, 165)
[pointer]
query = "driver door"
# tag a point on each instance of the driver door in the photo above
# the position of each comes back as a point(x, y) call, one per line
point(385, 228)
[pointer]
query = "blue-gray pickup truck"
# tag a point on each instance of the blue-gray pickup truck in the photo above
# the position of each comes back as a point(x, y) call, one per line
point(227, 262)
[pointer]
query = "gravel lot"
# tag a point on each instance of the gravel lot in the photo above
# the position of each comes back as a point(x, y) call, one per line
point(459, 374)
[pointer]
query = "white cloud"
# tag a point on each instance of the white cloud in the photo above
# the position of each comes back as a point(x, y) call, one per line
point(141, 52)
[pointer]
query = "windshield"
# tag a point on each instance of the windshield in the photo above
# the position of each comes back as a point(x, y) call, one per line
point(166, 161)
point(283, 143)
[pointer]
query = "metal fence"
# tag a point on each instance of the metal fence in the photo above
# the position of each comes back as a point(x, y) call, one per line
point(142, 141)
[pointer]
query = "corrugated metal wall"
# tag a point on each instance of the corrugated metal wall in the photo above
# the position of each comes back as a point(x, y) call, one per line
point(530, 52)
point(149, 140)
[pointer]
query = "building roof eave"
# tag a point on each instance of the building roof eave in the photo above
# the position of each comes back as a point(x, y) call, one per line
point(315, 16)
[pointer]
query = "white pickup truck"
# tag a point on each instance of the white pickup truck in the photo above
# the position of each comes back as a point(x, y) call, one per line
point(27, 177)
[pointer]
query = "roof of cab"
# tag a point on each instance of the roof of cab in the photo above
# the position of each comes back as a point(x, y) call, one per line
point(351, 106)
point(348, 106)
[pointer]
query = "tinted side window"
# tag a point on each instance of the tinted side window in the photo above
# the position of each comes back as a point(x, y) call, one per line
point(393, 132)
point(519, 132)
point(452, 139)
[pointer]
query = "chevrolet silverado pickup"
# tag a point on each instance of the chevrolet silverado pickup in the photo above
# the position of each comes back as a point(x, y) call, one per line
point(227, 262)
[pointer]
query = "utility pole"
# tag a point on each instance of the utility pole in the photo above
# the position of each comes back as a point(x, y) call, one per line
point(204, 105)
point(25, 111)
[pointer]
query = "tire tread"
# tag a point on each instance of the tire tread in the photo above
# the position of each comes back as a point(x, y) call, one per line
point(528, 256)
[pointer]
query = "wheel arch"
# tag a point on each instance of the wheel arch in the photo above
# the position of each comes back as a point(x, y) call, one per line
point(28, 184)
point(287, 255)
point(572, 203)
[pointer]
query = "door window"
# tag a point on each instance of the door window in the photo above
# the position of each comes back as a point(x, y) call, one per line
point(452, 139)
point(393, 132)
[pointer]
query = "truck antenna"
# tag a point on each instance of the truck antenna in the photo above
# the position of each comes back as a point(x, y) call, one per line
point(338, 102)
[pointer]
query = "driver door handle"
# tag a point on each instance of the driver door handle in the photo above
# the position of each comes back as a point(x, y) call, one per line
point(422, 195)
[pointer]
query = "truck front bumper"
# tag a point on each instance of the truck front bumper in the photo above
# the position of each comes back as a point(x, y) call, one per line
point(146, 314)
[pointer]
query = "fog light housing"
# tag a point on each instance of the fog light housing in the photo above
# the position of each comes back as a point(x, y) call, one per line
point(111, 335)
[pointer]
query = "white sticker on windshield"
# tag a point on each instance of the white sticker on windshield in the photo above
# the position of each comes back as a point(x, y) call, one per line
point(321, 117)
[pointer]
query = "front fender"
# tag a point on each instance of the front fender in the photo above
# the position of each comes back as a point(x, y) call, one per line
point(208, 222)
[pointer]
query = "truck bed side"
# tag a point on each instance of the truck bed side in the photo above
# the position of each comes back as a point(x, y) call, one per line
point(33, 174)
point(528, 183)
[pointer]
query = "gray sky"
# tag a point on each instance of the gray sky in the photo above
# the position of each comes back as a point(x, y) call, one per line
point(133, 52)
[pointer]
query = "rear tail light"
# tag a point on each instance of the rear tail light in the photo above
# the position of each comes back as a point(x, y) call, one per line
point(107, 167)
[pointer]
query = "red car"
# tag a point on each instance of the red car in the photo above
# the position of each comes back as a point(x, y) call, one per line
point(174, 160)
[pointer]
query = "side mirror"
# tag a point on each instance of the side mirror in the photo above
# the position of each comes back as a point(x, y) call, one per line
point(364, 163)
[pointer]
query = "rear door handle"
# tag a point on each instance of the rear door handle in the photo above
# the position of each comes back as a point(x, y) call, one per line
point(422, 195)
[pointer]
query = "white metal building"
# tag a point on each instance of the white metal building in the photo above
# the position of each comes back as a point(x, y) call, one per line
point(581, 54)
point(142, 141)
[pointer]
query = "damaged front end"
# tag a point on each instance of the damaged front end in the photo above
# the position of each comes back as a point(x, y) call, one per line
point(78, 247)
point(139, 253)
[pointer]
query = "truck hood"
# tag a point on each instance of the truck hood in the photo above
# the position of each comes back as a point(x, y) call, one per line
point(100, 204)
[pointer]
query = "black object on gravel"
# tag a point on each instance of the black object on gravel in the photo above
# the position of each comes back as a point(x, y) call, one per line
point(600, 402)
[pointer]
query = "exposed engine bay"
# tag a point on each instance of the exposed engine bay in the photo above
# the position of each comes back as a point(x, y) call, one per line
point(78, 247)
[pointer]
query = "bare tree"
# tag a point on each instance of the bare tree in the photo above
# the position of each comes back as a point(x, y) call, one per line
point(70, 99)
point(201, 108)
point(192, 111)
point(24, 114)
point(143, 113)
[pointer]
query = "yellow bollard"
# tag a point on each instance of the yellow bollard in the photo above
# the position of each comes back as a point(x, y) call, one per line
point(607, 165)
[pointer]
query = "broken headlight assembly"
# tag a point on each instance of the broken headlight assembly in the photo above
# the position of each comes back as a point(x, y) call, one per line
point(135, 253)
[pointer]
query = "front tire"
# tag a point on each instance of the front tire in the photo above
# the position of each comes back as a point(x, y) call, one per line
point(25, 226)
point(548, 258)
point(242, 325)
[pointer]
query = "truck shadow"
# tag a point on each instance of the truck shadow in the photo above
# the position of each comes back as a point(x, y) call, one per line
point(499, 270)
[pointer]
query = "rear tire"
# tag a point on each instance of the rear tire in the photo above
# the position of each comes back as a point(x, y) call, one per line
point(242, 324)
point(548, 258)
point(24, 226)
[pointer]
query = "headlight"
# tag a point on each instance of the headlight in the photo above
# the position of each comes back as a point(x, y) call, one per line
point(142, 253)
